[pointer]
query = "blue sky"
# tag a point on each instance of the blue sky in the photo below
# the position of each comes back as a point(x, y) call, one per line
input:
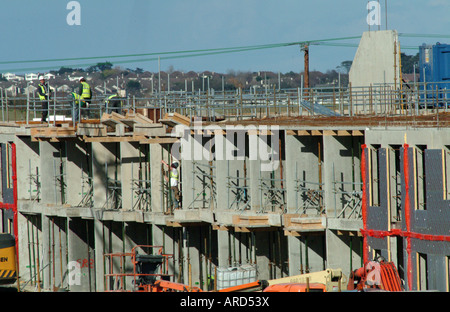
point(38, 30)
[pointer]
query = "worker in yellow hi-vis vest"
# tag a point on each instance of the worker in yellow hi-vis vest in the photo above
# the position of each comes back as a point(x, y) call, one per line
point(77, 102)
point(85, 92)
point(44, 96)
point(174, 181)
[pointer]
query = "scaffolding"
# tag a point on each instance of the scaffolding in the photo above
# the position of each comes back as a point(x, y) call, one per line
point(207, 196)
point(113, 191)
point(141, 188)
point(35, 184)
point(238, 191)
point(272, 196)
point(350, 200)
point(60, 180)
point(309, 196)
point(87, 190)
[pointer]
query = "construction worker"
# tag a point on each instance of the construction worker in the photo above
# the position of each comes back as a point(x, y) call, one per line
point(75, 106)
point(84, 91)
point(113, 103)
point(44, 95)
point(174, 181)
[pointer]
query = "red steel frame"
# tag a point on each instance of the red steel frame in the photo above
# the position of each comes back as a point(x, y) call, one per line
point(13, 206)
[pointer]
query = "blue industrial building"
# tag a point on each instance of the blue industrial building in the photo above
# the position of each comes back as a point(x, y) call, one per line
point(434, 64)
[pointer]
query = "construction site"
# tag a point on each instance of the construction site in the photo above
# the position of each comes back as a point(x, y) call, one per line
point(275, 186)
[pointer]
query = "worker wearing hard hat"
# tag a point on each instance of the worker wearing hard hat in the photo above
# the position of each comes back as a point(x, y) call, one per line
point(174, 181)
point(76, 102)
point(44, 96)
point(84, 91)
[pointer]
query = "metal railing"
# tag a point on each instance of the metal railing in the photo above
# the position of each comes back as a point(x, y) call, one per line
point(383, 99)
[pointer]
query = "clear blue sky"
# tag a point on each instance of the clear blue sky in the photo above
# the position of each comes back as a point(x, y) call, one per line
point(37, 30)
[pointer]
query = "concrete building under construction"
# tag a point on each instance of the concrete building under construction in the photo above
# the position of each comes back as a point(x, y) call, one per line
point(284, 183)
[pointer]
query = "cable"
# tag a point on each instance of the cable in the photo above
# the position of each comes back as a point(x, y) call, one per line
point(199, 52)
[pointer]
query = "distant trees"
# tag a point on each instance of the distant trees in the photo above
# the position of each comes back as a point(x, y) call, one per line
point(408, 62)
point(99, 67)
point(133, 86)
point(345, 66)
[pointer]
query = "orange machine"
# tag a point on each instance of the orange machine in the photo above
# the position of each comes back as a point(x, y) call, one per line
point(376, 275)
point(296, 287)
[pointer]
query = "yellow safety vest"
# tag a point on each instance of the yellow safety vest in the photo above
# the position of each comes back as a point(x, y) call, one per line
point(86, 94)
point(174, 175)
point(43, 91)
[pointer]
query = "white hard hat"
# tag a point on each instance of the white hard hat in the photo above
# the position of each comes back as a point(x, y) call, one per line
point(82, 78)
point(41, 77)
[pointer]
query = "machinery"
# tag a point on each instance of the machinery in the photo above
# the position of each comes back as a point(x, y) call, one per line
point(7, 259)
point(323, 281)
point(296, 287)
point(376, 275)
point(327, 280)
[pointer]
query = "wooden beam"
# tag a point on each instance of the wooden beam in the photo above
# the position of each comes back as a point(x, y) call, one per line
point(291, 132)
point(114, 139)
point(167, 140)
point(304, 132)
point(357, 133)
point(329, 132)
point(343, 133)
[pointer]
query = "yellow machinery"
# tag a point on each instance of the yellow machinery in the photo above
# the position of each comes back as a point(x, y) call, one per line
point(333, 279)
point(7, 259)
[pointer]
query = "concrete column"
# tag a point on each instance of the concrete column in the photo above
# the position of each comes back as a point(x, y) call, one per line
point(129, 170)
point(46, 252)
point(77, 172)
point(80, 245)
point(262, 252)
point(192, 255)
point(156, 178)
point(223, 248)
point(295, 263)
point(101, 234)
point(27, 153)
point(104, 158)
point(50, 192)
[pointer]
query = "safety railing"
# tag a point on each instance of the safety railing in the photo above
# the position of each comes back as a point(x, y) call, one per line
point(382, 99)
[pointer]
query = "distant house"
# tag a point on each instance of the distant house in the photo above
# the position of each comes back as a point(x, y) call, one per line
point(74, 78)
point(49, 76)
point(10, 77)
point(31, 77)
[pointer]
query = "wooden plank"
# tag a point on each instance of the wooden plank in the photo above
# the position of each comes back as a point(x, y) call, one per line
point(357, 133)
point(114, 139)
point(167, 140)
point(291, 132)
point(250, 220)
point(343, 133)
point(329, 132)
point(173, 119)
point(304, 132)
